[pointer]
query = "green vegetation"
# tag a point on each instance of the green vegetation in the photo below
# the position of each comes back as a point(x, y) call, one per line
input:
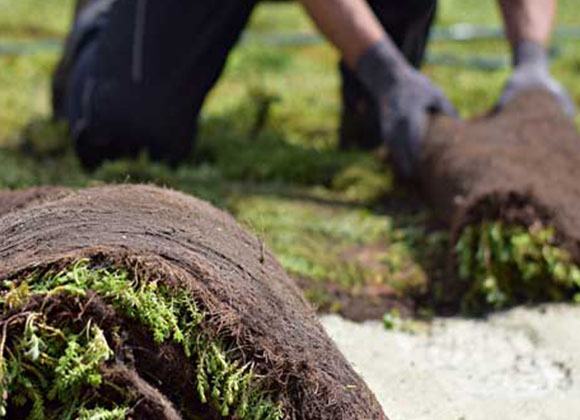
point(52, 365)
point(267, 149)
point(511, 264)
point(393, 321)
point(318, 243)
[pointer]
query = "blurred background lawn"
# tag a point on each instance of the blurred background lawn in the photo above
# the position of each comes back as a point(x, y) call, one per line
point(267, 148)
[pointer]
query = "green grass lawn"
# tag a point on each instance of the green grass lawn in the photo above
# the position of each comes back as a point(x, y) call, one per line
point(322, 210)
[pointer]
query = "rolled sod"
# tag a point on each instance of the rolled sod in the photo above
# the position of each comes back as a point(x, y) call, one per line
point(508, 186)
point(138, 302)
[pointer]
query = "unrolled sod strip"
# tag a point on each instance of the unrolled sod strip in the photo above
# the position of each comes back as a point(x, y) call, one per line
point(508, 186)
point(140, 302)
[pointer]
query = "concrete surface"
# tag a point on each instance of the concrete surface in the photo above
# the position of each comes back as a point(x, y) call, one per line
point(519, 365)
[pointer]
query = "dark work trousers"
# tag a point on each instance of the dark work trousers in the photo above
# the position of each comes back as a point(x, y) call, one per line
point(134, 76)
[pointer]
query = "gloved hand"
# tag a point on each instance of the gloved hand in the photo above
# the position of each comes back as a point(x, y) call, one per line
point(404, 97)
point(531, 71)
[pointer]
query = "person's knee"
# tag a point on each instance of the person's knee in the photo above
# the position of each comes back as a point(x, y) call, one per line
point(110, 119)
point(128, 121)
point(97, 144)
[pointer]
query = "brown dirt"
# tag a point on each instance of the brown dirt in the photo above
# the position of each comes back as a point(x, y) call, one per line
point(369, 300)
point(161, 234)
point(364, 303)
point(521, 165)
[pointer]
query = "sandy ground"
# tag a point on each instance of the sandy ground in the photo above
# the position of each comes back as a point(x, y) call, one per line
point(519, 365)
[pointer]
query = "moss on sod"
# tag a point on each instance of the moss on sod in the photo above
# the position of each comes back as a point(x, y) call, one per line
point(52, 368)
point(510, 264)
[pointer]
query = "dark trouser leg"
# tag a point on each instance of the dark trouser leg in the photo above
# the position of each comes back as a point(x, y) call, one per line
point(140, 81)
point(408, 24)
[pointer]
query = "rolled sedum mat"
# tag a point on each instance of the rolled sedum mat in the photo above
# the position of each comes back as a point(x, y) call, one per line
point(508, 186)
point(144, 303)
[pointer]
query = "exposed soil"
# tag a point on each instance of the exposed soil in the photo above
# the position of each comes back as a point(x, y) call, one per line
point(362, 303)
point(165, 235)
point(521, 165)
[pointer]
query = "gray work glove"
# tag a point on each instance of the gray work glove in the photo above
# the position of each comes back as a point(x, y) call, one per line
point(405, 99)
point(532, 71)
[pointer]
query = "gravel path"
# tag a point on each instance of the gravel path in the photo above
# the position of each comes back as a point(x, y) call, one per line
point(521, 364)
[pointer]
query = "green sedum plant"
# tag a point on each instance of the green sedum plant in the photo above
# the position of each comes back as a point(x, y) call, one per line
point(54, 368)
point(510, 264)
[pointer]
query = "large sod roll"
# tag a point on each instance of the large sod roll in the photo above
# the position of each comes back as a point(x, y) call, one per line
point(16, 200)
point(508, 185)
point(140, 302)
